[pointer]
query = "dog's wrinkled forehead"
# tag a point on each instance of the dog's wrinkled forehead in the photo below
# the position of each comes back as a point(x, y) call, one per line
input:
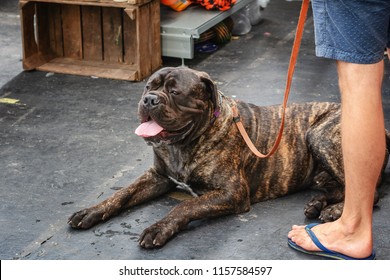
point(172, 76)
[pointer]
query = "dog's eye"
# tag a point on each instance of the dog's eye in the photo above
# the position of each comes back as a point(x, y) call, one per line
point(147, 87)
point(174, 92)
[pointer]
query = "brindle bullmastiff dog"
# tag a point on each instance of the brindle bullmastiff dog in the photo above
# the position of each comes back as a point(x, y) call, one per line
point(197, 146)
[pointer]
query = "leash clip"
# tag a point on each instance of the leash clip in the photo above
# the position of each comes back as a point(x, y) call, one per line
point(236, 115)
point(237, 118)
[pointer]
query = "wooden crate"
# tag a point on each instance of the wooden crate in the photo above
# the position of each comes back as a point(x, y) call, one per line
point(103, 38)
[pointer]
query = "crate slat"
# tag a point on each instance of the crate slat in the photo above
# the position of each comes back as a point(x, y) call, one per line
point(71, 30)
point(92, 33)
point(90, 68)
point(143, 38)
point(112, 35)
point(101, 3)
point(130, 40)
point(49, 29)
point(30, 49)
point(155, 38)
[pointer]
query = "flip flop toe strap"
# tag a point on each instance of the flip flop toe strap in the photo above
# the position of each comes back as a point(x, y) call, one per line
point(315, 239)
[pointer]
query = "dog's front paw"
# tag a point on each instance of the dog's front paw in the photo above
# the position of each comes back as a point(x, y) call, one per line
point(86, 218)
point(332, 212)
point(156, 235)
point(314, 207)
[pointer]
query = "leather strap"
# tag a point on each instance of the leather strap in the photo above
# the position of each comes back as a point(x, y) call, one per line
point(290, 73)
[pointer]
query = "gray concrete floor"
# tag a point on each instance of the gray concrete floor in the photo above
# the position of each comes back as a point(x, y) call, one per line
point(69, 143)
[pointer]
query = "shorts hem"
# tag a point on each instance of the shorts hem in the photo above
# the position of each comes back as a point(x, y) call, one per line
point(331, 53)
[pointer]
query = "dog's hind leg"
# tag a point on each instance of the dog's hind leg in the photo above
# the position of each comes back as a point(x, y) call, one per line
point(331, 193)
point(324, 142)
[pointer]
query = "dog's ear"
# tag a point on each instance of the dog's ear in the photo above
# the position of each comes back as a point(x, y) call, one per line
point(211, 88)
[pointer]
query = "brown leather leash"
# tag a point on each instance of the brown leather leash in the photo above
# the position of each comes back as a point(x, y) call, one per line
point(290, 73)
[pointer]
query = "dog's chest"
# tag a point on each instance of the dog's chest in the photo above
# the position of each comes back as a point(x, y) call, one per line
point(184, 169)
point(178, 164)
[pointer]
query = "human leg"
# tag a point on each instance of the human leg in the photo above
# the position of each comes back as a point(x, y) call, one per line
point(363, 143)
point(360, 67)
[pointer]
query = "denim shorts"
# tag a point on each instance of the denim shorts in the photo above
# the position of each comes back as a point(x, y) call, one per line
point(356, 31)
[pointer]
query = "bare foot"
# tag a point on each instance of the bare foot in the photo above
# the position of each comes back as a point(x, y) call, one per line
point(335, 236)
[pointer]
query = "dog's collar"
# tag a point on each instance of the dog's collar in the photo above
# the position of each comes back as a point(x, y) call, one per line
point(217, 111)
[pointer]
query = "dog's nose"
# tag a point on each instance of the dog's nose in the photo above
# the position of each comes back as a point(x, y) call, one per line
point(151, 100)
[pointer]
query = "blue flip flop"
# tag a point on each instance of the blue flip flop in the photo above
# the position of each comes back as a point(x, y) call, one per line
point(325, 252)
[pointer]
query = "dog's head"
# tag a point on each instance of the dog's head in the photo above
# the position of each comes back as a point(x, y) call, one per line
point(177, 105)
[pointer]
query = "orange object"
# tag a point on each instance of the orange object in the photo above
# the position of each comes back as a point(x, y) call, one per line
point(177, 5)
point(221, 5)
point(168, 2)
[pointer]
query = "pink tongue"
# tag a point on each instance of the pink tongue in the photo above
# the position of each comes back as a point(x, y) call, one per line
point(148, 129)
